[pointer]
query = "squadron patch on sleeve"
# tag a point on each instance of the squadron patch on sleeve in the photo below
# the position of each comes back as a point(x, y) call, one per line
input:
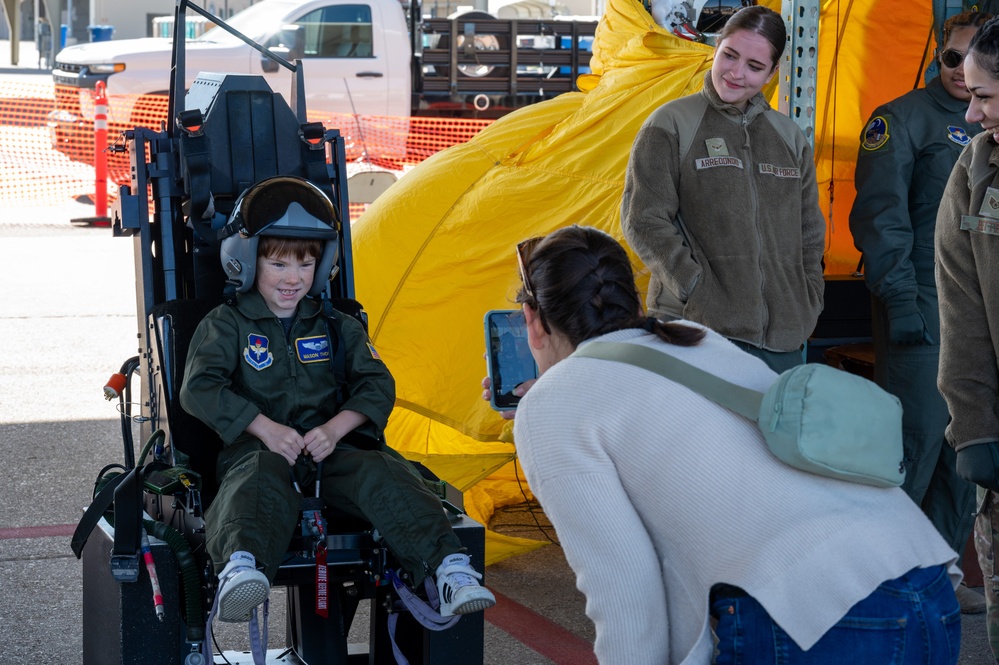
point(958, 135)
point(312, 349)
point(876, 133)
point(257, 353)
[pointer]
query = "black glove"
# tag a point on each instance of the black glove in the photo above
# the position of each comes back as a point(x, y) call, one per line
point(906, 325)
point(979, 463)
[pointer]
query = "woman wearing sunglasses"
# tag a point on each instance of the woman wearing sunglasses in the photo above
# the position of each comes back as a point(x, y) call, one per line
point(671, 509)
point(720, 202)
point(906, 154)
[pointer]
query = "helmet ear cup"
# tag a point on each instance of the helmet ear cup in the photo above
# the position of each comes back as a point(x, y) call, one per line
point(239, 260)
point(325, 265)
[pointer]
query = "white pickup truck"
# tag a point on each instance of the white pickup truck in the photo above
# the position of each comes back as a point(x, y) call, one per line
point(369, 57)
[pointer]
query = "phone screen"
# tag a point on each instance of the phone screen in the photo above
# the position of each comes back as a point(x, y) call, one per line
point(510, 362)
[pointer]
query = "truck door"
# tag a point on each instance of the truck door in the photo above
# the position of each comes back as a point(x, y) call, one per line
point(344, 57)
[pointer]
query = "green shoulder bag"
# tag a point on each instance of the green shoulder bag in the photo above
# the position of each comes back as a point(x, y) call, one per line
point(814, 417)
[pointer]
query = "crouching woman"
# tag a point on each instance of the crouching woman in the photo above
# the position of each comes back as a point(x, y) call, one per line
point(672, 510)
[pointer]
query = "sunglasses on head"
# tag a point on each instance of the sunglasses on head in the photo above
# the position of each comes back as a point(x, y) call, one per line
point(951, 58)
point(524, 250)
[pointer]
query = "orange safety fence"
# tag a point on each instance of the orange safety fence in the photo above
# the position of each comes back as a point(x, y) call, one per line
point(47, 147)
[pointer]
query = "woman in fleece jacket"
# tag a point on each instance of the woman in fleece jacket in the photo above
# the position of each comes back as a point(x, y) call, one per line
point(721, 204)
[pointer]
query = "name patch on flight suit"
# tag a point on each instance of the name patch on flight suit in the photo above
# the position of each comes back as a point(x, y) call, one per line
point(876, 133)
point(257, 353)
point(312, 349)
point(780, 171)
point(987, 220)
point(958, 135)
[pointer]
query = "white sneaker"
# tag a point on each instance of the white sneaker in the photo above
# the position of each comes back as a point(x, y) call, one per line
point(459, 589)
point(241, 588)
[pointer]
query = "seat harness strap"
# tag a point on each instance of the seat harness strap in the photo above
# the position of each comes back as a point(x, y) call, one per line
point(424, 612)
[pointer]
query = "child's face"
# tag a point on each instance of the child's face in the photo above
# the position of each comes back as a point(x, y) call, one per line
point(283, 281)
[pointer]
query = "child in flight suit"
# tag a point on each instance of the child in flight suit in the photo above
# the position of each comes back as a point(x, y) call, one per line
point(259, 373)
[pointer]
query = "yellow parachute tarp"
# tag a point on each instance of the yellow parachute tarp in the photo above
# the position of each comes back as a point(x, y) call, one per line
point(436, 251)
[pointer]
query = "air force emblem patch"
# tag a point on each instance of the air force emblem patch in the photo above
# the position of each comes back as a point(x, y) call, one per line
point(958, 135)
point(312, 349)
point(876, 134)
point(257, 352)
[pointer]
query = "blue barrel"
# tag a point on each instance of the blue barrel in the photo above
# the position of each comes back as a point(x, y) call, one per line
point(63, 34)
point(100, 33)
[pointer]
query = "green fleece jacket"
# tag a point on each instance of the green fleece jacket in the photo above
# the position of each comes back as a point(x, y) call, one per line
point(240, 363)
point(967, 272)
point(722, 207)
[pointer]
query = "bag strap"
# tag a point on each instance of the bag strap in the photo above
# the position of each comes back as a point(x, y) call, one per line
point(744, 401)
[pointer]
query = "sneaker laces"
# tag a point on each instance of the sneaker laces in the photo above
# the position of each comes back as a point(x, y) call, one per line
point(235, 565)
point(459, 575)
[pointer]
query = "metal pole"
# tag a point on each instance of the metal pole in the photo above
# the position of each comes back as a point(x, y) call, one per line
point(799, 68)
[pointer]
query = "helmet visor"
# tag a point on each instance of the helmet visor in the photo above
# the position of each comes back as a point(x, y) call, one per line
point(289, 207)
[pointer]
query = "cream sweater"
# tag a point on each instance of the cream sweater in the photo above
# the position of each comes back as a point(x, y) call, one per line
point(657, 494)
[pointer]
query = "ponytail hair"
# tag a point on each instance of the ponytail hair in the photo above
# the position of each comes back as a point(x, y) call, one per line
point(580, 281)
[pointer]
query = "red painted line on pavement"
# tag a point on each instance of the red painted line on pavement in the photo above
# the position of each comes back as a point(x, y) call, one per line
point(50, 531)
point(543, 635)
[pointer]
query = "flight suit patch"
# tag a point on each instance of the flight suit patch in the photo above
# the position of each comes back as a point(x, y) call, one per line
point(257, 353)
point(958, 135)
point(876, 133)
point(312, 349)
point(374, 353)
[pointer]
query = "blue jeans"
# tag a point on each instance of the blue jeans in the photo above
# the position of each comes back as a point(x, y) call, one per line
point(914, 619)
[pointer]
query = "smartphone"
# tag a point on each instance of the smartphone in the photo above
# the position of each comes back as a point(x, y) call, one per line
point(508, 356)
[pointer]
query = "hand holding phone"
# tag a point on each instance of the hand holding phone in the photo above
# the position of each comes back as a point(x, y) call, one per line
point(509, 362)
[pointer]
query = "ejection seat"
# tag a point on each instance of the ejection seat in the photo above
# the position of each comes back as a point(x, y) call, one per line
point(356, 563)
point(233, 133)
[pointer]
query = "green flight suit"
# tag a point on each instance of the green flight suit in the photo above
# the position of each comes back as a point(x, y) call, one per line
point(906, 155)
point(241, 363)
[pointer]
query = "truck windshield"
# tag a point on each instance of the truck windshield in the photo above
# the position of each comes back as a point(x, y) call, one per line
point(254, 22)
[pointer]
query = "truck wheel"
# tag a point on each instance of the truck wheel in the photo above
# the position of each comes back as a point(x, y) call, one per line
point(482, 43)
